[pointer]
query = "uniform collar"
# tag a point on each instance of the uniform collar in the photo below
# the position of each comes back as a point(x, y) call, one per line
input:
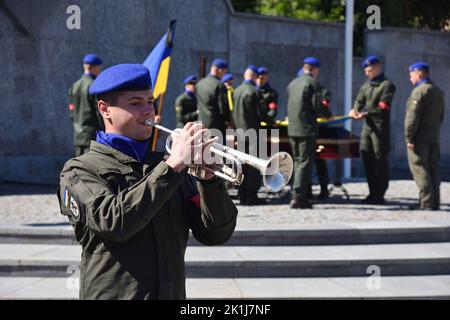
point(213, 76)
point(190, 95)
point(422, 82)
point(92, 76)
point(249, 82)
point(134, 149)
point(379, 78)
point(266, 86)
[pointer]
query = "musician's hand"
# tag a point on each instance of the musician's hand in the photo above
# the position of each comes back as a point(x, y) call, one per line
point(158, 119)
point(188, 147)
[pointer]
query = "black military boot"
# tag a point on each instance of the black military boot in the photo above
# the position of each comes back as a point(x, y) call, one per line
point(324, 193)
point(298, 202)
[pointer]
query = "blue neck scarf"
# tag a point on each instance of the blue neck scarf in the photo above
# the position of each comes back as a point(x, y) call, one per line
point(250, 82)
point(90, 75)
point(422, 81)
point(191, 95)
point(130, 147)
point(266, 86)
point(377, 79)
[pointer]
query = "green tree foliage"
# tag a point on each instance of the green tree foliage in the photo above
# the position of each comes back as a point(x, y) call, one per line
point(420, 14)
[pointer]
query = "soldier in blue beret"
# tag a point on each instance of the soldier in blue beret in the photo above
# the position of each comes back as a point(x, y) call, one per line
point(132, 209)
point(186, 103)
point(373, 105)
point(268, 96)
point(305, 104)
point(212, 103)
point(423, 121)
point(83, 107)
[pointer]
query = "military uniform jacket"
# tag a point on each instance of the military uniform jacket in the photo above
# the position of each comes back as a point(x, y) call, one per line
point(376, 97)
point(212, 103)
point(246, 113)
point(305, 106)
point(424, 114)
point(269, 103)
point(83, 112)
point(186, 109)
point(133, 222)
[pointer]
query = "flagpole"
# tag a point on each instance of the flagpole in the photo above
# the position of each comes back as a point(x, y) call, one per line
point(156, 132)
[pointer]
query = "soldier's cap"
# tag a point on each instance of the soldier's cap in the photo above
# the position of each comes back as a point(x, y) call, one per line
point(227, 77)
point(370, 60)
point(262, 71)
point(122, 77)
point(313, 61)
point(220, 63)
point(92, 59)
point(253, 68)
point(190, 80)
point(419, 66)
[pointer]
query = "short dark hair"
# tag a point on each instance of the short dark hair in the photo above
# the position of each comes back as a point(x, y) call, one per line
point(109, 97)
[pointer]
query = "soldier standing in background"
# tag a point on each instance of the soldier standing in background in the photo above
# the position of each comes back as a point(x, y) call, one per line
point(186, 104)
point(268, 96)
point(211, 94)
point(423, 120)
point(304, 107)
point(375, 96)
point(83, 108)
point(246, 117)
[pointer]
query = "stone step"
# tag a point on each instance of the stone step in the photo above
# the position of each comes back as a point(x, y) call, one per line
point(243, 261)
point(405, 287)
point(270, 235)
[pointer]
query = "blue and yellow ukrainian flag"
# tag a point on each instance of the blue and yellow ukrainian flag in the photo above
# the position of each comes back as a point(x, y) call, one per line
point(158, 62)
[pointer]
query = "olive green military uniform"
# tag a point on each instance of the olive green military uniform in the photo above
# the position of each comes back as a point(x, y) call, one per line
point(304, 107)
point(133, 222)
point(246, 116)
point(376, 98)
point(424, 116)
point(212, 103)
point(185, 109)
point(268, 103)
point(84, 114)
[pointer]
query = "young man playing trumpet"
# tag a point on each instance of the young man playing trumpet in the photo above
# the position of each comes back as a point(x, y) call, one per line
point(131, 209)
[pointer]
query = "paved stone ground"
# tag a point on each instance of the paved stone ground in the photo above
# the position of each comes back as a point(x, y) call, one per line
point(35, 204)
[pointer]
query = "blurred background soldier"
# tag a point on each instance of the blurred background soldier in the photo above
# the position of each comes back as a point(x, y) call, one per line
point(228, 81)
point(375, 96)
point(211, 95)
point(83, 107)
point(268, 96)
point(246, 117)
point(304, 107)
point(424, 117)
point(186, 104)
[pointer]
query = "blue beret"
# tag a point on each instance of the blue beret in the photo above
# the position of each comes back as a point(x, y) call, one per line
point(220, 63)
point(312, 61)
point(122, 77)
point(253, 68)
point(92, 59)
point(419, 66)
point(227, 77)
point(262, 71)
point(370, 60)
point(190, 79)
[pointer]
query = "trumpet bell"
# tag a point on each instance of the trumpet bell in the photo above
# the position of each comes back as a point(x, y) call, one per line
point(278, 171)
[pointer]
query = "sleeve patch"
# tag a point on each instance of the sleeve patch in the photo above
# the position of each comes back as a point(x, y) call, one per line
point(71, 204)
point(383, 105)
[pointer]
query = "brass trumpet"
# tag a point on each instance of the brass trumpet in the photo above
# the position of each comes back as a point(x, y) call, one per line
point(276, 171)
